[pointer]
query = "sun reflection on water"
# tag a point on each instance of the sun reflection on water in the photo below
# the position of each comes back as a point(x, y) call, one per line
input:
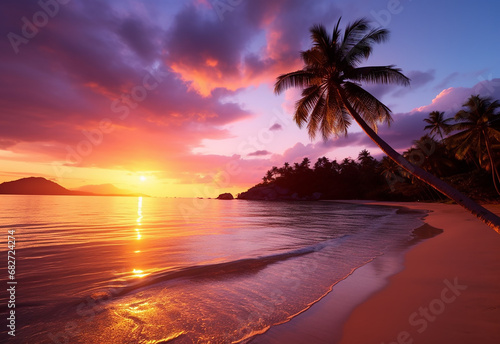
point(139, 211)
point(138, 273)
point(139, 218)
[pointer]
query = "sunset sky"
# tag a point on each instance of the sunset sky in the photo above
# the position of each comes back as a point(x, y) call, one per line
point(175, 98)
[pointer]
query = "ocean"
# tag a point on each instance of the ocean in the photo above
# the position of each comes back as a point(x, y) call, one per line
point(160, 270)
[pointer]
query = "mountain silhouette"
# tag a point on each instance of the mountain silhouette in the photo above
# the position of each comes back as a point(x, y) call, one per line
point(42, 186)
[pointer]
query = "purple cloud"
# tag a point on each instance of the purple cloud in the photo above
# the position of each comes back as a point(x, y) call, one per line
point(259, 153)
point(61, 85)
point(446, 81)
point(418, 80)
point(210, 52)
point(275, 127)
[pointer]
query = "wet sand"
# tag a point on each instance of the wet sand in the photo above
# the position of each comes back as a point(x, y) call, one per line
point(446, 290)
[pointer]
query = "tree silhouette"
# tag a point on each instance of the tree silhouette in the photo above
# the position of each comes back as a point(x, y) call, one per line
point(437, 124)
point(478, 129)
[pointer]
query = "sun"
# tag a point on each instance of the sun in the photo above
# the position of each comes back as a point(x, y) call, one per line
point(142, 178)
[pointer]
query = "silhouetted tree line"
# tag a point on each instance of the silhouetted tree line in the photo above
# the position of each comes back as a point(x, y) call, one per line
point(349, 179)
point(462, 150)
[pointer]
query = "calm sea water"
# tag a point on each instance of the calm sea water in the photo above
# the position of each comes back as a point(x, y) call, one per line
point(152, 270)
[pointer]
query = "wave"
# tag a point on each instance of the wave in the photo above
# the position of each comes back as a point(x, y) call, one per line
point(223, 270)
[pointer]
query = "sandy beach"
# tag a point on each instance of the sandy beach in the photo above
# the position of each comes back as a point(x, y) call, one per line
point(447, 290)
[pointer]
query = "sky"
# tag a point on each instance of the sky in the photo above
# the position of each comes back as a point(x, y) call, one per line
point(175, 98)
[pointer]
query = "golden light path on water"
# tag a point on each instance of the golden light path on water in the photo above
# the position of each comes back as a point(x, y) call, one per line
point(139, 273)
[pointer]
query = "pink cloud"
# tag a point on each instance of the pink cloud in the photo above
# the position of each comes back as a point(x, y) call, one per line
point(451, 99)
point(211, 53)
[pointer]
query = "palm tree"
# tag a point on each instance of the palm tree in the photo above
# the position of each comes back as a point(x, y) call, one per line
point(287, 170)
point(268, 177)
point(437, 124)
point(366, 160)
point(332, 96)
point(478, 128)
point(437, 158)
point(391, 171)
point(275, 172)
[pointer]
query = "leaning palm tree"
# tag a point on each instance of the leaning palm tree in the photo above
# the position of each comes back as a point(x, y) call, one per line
point(332, 96)
point(437, 124)
point(478, 128)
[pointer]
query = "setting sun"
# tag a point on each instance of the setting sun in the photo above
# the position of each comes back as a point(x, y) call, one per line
point(142, 178)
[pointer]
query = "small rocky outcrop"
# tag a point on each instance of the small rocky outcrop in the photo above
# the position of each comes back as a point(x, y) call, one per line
point(225, 196)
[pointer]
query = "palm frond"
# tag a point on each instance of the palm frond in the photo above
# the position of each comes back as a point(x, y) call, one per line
point(316, 115)
point(312, 58)
point(338, 119)
point(320, 37)
point(327, 126)
point(298, 78)
point(371, 109)
point(336, 32)
point(378, 74)
point(360, 48)
point(464, 116)
point(461, 142)
point(461, 126)
point(354, 32)
point(493, 133)
point(342, 122)
point(306, 104)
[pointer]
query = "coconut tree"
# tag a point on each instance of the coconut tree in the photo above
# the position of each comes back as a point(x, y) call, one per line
point(478, 129)
point(436, 157)
point(333, 96)
point(437, 124)
point(366, 160)
point(268, 177)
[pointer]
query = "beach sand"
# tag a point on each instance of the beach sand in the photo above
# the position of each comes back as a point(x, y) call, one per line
point(447, 290)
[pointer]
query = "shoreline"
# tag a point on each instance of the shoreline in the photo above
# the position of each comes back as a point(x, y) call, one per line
point(377, 302)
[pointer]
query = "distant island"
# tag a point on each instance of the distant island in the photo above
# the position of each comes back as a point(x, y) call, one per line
point(42, 186)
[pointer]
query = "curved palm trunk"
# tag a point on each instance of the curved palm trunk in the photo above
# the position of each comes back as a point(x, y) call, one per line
point(494, 172)
point(480, 212)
